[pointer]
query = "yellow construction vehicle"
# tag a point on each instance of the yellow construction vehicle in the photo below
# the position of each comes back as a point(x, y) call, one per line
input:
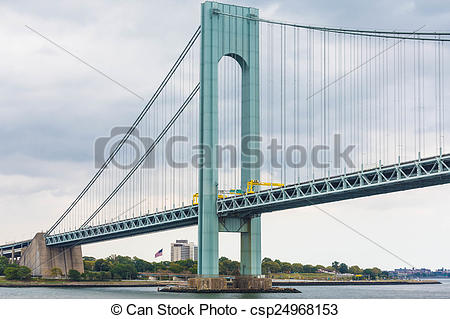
point(233, 192)
point(254, 182)
point(195, 198)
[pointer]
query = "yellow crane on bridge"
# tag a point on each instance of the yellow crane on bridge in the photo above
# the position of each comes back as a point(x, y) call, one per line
point(252, 183)
point(250, 190)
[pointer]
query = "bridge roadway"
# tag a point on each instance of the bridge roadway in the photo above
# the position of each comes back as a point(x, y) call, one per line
point(13, 250)
point(381, 180)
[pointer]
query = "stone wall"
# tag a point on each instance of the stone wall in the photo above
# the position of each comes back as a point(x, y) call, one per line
point(248, 282)
point(215, 283)
point(41, 259)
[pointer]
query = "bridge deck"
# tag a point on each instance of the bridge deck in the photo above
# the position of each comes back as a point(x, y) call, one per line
point(16, 246)
point(382, 180)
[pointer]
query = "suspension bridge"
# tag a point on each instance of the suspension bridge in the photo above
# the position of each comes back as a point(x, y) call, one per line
point(259, 116)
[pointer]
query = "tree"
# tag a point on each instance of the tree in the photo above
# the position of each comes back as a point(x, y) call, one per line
point(117, 259)
point(372, 273)
point(355, 270)
point(186, 264)
point(297, 268)
point(87, 258)
point(175, 268)
point(335, 265)
point(89, 265)
point(142, 265)
point(193, 269)
point(228, 267)
point(102, 265)
point(270, 267)
point(56, 272)
point(309, 269)
point(4, 262)
point(343, 268)
point(286, 267)
point(376, 271)
point(74, 275)
point(24, 273)
point(124, 271)
point(17, 273)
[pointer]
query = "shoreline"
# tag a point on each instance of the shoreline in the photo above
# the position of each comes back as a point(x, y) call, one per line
point(134, 284)
point(356, 283)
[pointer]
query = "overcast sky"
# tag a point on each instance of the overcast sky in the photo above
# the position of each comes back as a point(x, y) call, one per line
point(52, 107)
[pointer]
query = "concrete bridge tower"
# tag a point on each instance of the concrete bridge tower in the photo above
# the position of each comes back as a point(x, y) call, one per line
point(232, 31)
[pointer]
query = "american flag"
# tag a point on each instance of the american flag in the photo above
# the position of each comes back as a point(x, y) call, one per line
point(158, 253)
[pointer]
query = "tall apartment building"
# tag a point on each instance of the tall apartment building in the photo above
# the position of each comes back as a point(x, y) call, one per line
point(183, 250)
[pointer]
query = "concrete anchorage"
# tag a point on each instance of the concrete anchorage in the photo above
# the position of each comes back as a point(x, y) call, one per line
point(41, 259)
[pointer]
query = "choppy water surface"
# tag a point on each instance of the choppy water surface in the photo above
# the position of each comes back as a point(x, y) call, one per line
point(325, 292)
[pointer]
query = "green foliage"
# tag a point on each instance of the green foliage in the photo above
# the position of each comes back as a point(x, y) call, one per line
point(335, 265)
point(4, 262)
point(343, 268)
point(297, 268)
point(340, 267)
point(229, 267)
point(89, 265)
point(372, 273)
point(355, 270)
point(270, 267)
point(56, 272)
point(175, 268)
point(124, 271)
point(102, 265)
point(96, 275)
point(143, 266)
point(17, 273)
point(124, 267)
point(24, 273)
point(309, 269)
point(87, 258)
point(286, 267)
point(74, 275)
point(277, 267)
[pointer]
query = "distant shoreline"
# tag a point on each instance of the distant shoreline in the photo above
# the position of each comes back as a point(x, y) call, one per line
point(83, 284)
point(353, 283)
point(133, 284)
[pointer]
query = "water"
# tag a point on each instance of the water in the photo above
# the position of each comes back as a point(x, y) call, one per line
point(324, 292)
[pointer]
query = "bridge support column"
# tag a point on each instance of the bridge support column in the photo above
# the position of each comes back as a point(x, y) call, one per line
point(251, 248)
point(229, 34)
point(41, 259)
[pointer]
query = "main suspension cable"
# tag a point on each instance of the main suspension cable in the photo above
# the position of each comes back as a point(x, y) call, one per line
point(131, 129)
point(145, 155)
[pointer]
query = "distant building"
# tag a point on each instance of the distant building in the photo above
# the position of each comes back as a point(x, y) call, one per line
point(183, 250)
point(419, 272)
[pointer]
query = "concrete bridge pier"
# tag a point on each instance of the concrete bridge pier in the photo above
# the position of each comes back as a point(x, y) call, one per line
point(226, 31)
point(41, 259)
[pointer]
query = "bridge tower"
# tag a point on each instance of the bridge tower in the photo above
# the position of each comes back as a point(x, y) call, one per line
point(226, 33)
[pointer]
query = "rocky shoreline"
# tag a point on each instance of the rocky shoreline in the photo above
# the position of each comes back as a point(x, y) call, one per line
point(228, 290)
